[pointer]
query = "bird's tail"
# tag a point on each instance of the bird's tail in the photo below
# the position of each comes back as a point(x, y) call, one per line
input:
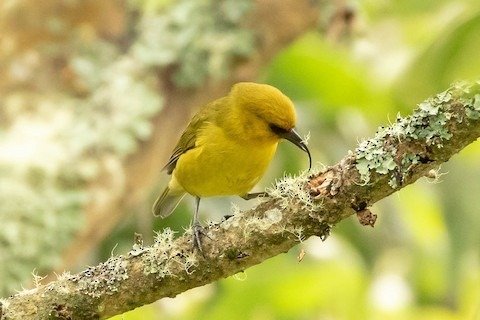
point(166, 203)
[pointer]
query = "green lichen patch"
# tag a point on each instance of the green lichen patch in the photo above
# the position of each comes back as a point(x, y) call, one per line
point(473, 111)
point(393, 150)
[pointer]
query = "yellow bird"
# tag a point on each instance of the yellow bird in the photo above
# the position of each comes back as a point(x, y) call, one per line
point(227, 146)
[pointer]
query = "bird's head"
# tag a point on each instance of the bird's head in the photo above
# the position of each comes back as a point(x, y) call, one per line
point(266, 113)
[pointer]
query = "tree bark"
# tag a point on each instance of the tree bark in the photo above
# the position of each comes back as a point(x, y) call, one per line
point(297, 208)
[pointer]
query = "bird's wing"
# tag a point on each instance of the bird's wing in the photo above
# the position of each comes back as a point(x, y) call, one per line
point(188, 138)
point(186, 142)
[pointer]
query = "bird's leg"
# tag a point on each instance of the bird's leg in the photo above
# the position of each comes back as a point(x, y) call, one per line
point(197, 227)
point(254, 195)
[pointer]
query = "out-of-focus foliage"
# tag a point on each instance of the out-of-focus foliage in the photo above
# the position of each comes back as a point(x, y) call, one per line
point(78, 89)
point(327, 77)
point(451, 57)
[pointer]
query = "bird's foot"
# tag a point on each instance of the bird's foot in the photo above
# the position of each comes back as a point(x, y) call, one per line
point(198, 232)
point(254, 195)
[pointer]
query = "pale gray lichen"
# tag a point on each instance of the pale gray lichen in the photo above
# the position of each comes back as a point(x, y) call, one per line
point(137, 249)
point(263, 222)
point(102, 279)
point(434, 175)
point(164, 239)
point(156, 262)
point(298, 232)
point(427, 125)
point(273, 216)
point(190, 261)
point(231, 221)
point(66, 275)
point(37, 279)
point(156, 258)
point(292, 191)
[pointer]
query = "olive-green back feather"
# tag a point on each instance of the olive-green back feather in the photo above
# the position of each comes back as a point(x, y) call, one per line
point(188, 139)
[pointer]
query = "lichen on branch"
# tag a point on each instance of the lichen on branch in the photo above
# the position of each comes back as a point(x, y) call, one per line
point(299, 207)
point(432, 124)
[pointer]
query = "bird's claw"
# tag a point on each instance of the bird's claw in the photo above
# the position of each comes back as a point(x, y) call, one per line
point(198, 231)
point(254, 195)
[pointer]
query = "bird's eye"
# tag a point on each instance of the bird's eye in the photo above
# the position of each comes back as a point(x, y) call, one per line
point(278, 130)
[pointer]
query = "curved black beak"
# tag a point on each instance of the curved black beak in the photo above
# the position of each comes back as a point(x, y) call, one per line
point(295, 138)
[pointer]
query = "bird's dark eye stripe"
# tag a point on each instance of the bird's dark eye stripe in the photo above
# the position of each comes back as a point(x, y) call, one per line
point(278, 130)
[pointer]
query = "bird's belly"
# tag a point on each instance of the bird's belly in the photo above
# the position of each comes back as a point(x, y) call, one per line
point(212, 171)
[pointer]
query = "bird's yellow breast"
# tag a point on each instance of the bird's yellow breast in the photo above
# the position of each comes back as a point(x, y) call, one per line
point(222, 165)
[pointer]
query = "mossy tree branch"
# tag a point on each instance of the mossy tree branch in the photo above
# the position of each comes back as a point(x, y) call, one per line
point(297, 208)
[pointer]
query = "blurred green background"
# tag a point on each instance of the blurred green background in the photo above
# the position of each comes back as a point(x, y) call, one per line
point(422, 259)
